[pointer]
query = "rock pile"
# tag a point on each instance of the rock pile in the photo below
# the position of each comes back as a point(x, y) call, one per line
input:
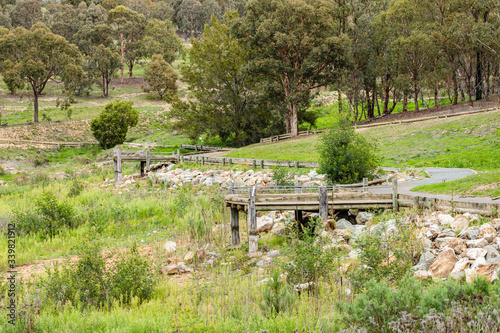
point(454, 249)
point(179, 177)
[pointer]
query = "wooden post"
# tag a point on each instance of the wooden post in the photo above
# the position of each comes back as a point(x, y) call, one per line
point(254, 164)
point(143, 165)
point(203, 160)
point(432, 204)
point(178, 155)
point(288, 164)
point(253, 246)
point(298, 213)
point(297, 164)
point(230, 161)
point(365, 184)
point(262, 164)
point(118, 164)
point(235, 223)
point(148, 160)
point(223, 161)
point(415, 202)
point(395, 194)
point(323, 203)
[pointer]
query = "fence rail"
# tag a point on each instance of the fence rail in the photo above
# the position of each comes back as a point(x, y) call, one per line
point(204, 148)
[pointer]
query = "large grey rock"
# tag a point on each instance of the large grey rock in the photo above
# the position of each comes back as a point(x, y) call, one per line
point(481, 242)
point(447, 233)
point(476, 253)
point(492, 253)
point(344, 224)
point(364, 218)
point(442, 240)
point(264, 224)
point(426, 260)
point(470, 233)
point(457, 244)
point(459, 224)
point(445, 219)
point(461, 265)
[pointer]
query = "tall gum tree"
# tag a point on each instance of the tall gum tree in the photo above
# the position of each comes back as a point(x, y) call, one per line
point(39, 56)
point(296, 44)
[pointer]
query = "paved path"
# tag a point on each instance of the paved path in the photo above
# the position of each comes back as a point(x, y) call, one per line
point(438, 175)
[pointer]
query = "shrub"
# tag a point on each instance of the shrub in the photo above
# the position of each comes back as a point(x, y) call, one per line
point(90, 284)
point(132, 276)
point(48, 217)
point(310, 258)
point(277, 295)
point(346, 157)
point(282, 176)
point(111, 126)
point(2, 171)
point(387, 253)
point(160, 76)
point(76, 188)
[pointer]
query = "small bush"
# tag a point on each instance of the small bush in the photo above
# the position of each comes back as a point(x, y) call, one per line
point(132, 276)
point(277, 295)
point(310, 258)
point(282, 176)
point(111, 126)
point(387, 253)
point(76, 188)
point(90, 284)
point(346, 157)
point(2, 171)
point(48, 217)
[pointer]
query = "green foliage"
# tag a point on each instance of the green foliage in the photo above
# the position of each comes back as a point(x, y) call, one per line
point(277, 295)
point(160, 38)
point(132, 276)
point(161, 77)
point(91, 284)
point(282, 176)
point(387, 253)
point(228, 101)
point(106, 63)
point(76, 188)
point(111, 126)
point(309, 257)
point(48, 218)
point(297, 46)
point(345, 156)
point(381, 304)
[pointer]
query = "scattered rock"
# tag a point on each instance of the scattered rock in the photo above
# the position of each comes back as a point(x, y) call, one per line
point(344, 224)
point(189, 256)
point(264, 224)
point(170, 246)
point(364, 218)
point(470, 233)
point(480, 242)
point(457, 244)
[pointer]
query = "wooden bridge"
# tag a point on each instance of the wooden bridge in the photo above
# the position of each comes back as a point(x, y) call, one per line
point(320, 199)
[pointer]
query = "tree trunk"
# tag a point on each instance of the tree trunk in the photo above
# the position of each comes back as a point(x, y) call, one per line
point(436, 96)
point(415, 97)
point(387, 91)
point(104, 86)
point(488, 87)
point(405, 101)
point(479, 76)
point(35, 106)
point(469, 91)
point(122, 54)
point(294, 119)
point(130, 68)
point(495, 78)
point(455, 85)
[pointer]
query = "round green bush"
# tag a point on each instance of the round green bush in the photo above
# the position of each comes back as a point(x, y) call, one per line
point(345, 156)
point(111, 126)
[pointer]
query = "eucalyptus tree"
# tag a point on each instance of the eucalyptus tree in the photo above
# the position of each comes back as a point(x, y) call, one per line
point(296, 46)
point(38, 56)
point(128, 26)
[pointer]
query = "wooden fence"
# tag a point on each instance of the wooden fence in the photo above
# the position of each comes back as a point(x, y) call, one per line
point(277, 138)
